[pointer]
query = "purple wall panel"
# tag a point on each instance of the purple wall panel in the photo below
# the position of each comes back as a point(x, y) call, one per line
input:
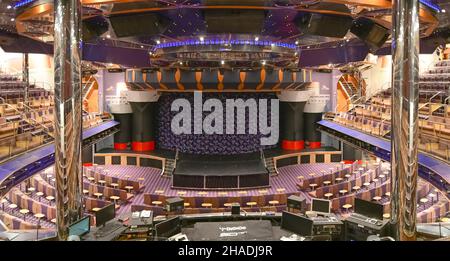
point(217, 144)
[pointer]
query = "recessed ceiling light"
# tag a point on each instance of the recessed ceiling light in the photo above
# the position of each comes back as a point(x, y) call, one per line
point(202, 38)
point(256, 38)
point(108, 36)
point(142, 46)
point(158, 42)
point(296, 42)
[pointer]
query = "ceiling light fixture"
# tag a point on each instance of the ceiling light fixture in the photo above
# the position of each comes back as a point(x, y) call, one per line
point(108, 36)
point(222, 62)
point(256, 38)
point(202, 38)
point(158, 42)
point(8, 7)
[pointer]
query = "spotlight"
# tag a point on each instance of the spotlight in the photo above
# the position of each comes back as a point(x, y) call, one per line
point(263, 62)
point(12, 19)
point(296, 42)
point(256, 38)
point(108, 36)
point(443, 10)
point(158, 42)
point(222, 62)
point(8, 7)
point(348, 40)
point(272, 44)
point(142, 46)
point(202, 38)
point(181, 63)
point(330, 65)
point(308, 47)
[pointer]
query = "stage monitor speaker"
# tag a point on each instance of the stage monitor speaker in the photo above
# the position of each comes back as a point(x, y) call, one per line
point(145, 24)
point(235, 209)
point(297, 202)
point(373, 34)
point(94, 27)
point(326, 25)
point(234, 21)
point(174, 204)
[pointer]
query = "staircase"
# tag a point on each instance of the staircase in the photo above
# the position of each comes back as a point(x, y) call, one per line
point(270, 166)
point(169, 167)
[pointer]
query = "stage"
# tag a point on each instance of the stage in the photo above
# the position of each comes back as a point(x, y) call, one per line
point(220, 171)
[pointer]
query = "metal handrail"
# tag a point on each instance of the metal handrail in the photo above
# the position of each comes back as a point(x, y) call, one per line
point(34, 110)
point(349, 99)
point(87, 83)
point(22, 114)
point(429, 100)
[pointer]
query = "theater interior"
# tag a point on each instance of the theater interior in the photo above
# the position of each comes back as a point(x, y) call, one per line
point(225, 120)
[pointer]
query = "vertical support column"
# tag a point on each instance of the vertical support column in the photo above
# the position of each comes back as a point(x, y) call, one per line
point(67, 59)
point(144, 106)
point(292, 104)
point(405, 87)
point(123, 114)
point(26, 78)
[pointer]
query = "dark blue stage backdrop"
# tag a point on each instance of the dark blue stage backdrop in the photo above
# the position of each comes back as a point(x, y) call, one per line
point(215, 144)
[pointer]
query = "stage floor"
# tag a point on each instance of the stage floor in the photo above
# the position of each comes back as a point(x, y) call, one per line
point(215, 165)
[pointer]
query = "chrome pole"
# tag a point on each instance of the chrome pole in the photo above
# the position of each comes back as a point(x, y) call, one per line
point(67, 59)
point(405, 95)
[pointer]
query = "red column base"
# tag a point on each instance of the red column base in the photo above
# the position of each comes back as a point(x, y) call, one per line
point(292, 144)
point(120, 146)
point(142, 145)
point(315, 145)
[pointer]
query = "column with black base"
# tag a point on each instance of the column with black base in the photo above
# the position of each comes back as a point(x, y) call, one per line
point(292, 104)
point(144, 106)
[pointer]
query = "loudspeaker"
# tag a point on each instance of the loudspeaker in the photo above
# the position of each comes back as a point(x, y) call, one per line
point(145, 24)
point(174, 204)
point(297, 202)
point(326, 25)
point(234, 21)
point(235, 209)
point(373, 34)
point(94, 27)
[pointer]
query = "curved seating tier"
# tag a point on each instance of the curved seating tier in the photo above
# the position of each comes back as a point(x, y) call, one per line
point(91, 203)
point(355, 180)
point(218, 202)
point(43, 186)
point(107, 191)
point(24, 201)
point(13, 222)
point(98, 173)
point(157, 210)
